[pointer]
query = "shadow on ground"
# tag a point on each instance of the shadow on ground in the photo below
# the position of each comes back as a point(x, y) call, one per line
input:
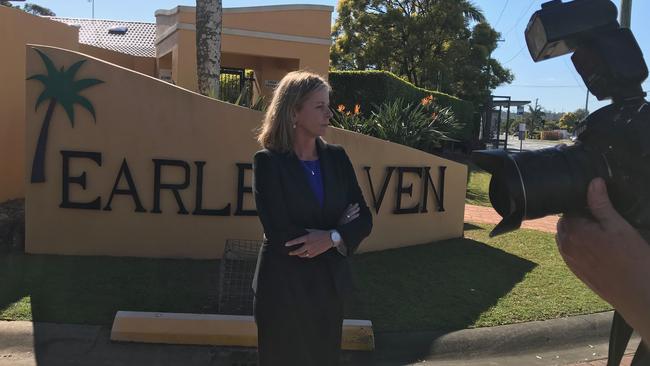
point(90, 290)
point(444, 286)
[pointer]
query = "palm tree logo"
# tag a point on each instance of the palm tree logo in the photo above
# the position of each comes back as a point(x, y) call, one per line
point(62, 88)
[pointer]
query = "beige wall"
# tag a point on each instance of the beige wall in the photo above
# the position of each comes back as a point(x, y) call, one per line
point(18, 28)
point(305, 21)
point(145, 65)
point(271, 53)
point(139, 119)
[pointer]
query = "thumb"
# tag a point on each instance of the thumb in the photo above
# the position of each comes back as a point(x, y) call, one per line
point(599, 204)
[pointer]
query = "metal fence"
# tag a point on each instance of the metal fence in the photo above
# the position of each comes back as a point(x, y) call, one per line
point(236, 276)
point(236, 87)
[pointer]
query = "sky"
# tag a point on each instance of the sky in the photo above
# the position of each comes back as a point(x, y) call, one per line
point(553, 83)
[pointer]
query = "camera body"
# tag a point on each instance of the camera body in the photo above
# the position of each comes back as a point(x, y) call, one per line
point(613, 142)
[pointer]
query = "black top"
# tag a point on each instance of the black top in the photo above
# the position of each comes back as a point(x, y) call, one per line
point(287, 206)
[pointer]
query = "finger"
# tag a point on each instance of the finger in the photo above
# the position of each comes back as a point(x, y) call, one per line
point(300, 251)
point(561, 235)
point(567, 229)
point(599, 204)
point(352, 206)
point(296, 241)
point(348, 214)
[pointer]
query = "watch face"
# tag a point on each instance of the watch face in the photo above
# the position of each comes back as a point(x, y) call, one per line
point(336, 237)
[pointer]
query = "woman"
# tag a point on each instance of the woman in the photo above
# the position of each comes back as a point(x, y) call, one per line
point(314, 217)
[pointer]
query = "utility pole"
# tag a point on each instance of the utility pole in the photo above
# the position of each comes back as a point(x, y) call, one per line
point(626, 13)
point(532, 120)
point(93, 7)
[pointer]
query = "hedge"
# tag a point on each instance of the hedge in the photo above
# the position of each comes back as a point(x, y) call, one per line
point(368, 88)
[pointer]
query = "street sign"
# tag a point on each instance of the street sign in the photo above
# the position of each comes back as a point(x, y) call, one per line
point(522, 127)
point(520, 110)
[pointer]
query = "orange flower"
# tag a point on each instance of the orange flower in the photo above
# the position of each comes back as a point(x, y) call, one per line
point(426, 100)
point(357, 109)
point(340, 108)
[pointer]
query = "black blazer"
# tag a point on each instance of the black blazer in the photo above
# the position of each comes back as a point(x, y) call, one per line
point(287, 206)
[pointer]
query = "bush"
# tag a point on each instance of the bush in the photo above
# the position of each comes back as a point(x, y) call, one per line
point(534, 135)
point(421, 125)
point(375, 88)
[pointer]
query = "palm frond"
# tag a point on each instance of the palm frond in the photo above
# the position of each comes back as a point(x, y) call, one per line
point(40, 77)
point(86, 104)
point(72, 70)
point(45, 95)
point(473, 12)
point(49, 65)
point(82, 84)
point(69, 110)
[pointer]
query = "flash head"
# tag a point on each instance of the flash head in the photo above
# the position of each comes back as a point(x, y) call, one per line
point(557, 28)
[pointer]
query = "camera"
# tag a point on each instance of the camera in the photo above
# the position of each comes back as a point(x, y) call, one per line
point(613, 142)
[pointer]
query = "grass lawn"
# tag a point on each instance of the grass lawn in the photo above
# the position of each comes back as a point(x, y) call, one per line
point(477, 186)
point(472, 282)
point(89, 290)
point(460, 283)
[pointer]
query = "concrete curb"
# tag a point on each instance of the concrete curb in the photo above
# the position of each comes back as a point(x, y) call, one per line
point(506, 339)
point(29, 344)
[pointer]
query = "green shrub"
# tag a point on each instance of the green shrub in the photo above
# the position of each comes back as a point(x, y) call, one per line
point(375, 88)
point(421, 125)
point(354, 120)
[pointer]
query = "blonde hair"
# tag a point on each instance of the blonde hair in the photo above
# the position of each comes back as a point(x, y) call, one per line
point(277, 131)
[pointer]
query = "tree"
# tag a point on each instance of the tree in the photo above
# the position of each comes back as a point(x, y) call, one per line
point(535, 119)
point(428, 42)
point(30, 8)
point(208, 45)
point(60, 88)
point(38, 10)
point(570, 120)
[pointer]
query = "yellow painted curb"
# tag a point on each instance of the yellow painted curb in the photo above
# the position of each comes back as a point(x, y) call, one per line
point(216, 330)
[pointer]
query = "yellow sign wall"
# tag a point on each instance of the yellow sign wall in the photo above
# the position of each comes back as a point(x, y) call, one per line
point(159, 171)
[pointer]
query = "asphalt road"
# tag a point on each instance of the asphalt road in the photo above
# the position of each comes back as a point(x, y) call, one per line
point(529, 145)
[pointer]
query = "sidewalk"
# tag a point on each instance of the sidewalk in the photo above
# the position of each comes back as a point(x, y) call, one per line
point(626, 361)
point(553, 342)
point(487, 215)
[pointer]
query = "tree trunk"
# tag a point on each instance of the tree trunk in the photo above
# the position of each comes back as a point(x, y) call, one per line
point(38, 164)
point(208, 46)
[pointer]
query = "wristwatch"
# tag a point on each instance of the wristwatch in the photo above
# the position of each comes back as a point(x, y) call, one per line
point(336, 238)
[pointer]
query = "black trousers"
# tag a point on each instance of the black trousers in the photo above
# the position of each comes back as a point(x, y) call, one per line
point(300, 324)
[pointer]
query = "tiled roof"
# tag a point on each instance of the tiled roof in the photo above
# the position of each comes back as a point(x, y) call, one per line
point(139, 39)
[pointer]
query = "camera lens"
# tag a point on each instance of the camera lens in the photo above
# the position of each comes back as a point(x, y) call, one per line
point(500, 196)
point(535, 184)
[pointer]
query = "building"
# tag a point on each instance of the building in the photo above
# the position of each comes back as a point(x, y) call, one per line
point(269, 40)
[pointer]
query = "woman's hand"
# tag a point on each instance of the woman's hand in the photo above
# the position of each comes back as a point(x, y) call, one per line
point(315, 243)
point(350, 213)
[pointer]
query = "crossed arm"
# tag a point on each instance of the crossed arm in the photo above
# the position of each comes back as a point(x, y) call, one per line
point(354, 224)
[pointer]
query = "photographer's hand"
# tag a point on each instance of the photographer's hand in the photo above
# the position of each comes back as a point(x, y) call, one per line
point(610, 256)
